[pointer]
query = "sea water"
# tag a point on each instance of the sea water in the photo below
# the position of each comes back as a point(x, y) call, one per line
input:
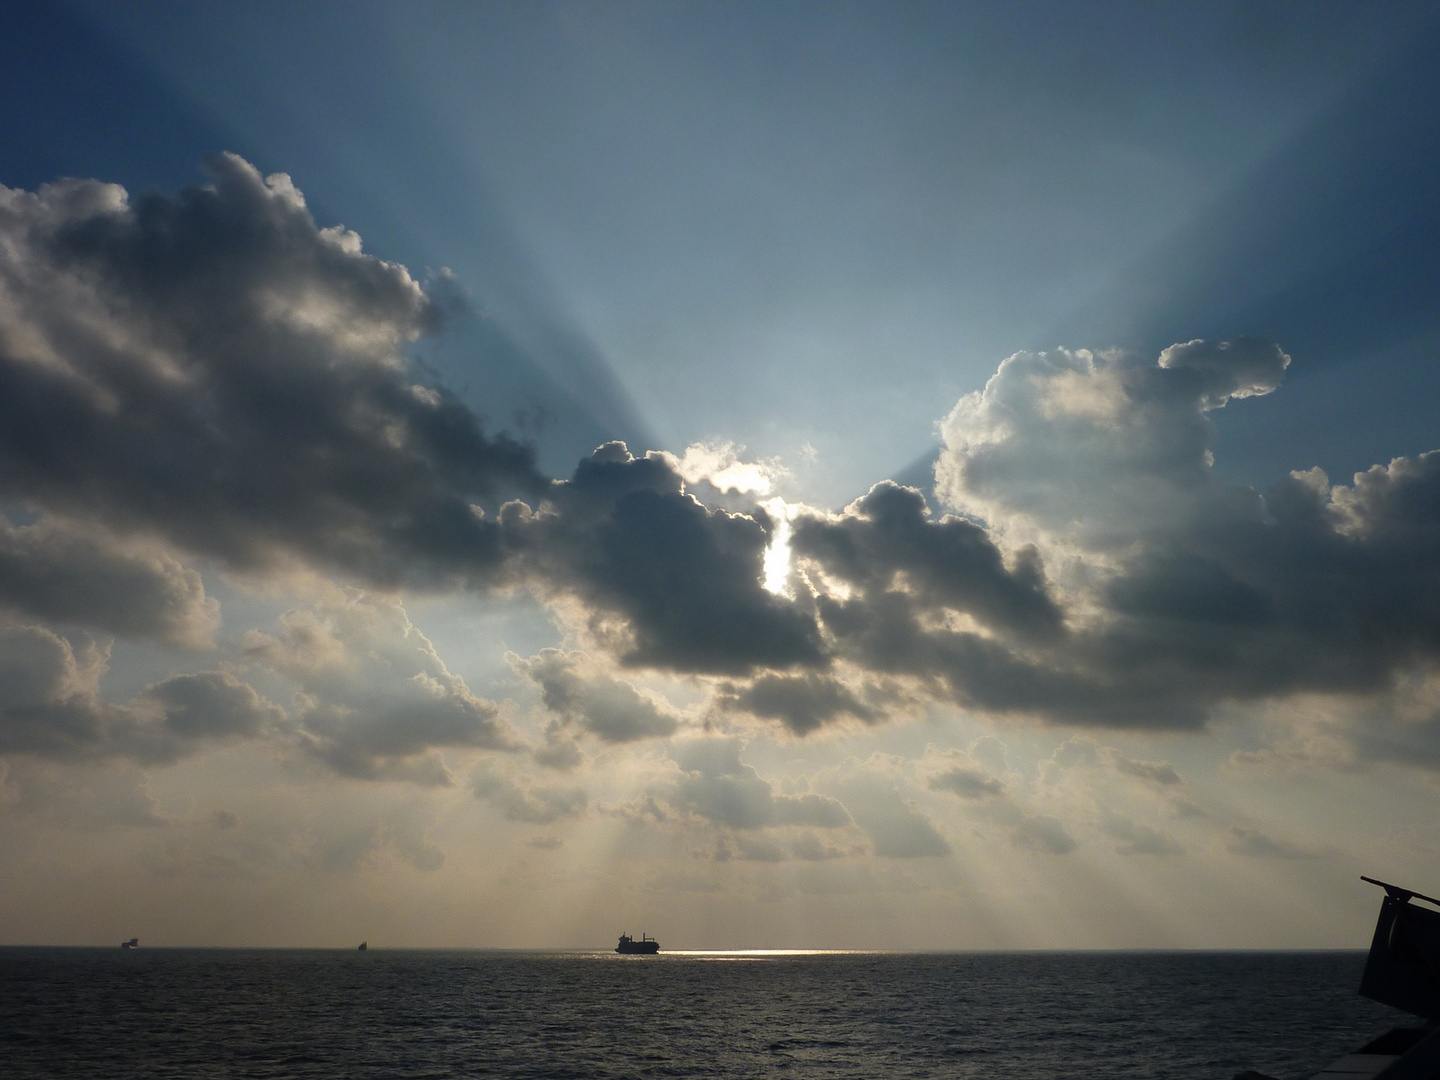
point(201, 1013)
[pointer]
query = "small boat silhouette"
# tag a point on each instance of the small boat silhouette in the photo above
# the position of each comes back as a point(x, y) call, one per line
point(364, 945)
point(133, 943)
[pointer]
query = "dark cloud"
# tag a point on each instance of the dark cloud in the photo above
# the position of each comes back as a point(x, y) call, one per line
point(1193, 592)
point(214, 368)
point(609, 708)
point(801, 702)
point(669, 582)
point(51, 707)
point(72, 573)
point(887, 543)
point(809, 847)
point(210, 705)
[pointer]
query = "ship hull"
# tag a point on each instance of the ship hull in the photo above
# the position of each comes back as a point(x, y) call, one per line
point(644, 947)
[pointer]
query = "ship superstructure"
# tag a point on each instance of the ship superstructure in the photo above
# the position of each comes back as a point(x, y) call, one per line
point(645, 946)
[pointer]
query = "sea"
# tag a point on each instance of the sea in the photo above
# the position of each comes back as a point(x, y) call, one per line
point(151, 1013)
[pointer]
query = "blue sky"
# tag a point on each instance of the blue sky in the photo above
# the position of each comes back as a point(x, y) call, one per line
point(1150, 655)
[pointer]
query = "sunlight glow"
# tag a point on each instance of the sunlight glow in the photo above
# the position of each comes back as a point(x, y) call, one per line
point(719, 465)
point(761, 954)
point(777, 555)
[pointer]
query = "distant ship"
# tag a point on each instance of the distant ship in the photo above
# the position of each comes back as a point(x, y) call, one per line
point(364, 945)
point(133, 943)
point(645, 946)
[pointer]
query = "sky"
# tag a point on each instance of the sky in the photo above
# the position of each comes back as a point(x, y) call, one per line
point(808, 475)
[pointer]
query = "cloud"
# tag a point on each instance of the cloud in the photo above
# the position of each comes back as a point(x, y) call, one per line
point(802, 703)
point(763, 847)
point(667, 582)
point(717, 786)
point(51, 706)
point(224, 820)
point(989, 800)
point(1041, 833)
point(375, 699)
point(214, 369)
point(212, 374)
point(1255, 844)
point(750, 848)
point(809, 847)
point(886, 543)
point(92, 797)
point(1158, 773)
point(1080, 751)
point(1133, 838)
point(580, 693)
point(720, 466)
point(1178, 592)
point(210, 705)
point(531, 804)
point(1098, 445)
point(75, 573)
point(896, 827)
point(968, 783)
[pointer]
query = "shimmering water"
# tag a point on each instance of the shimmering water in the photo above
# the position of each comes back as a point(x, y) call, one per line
point(198, 1013)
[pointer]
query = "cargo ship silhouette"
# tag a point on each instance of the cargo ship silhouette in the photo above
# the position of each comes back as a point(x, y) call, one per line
point(644, 946)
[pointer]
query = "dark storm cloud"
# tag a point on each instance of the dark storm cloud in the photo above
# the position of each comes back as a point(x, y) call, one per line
point(71, 573)
point(214, 368)
point(669, 582)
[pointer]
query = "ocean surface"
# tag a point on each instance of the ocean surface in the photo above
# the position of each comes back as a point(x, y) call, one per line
point(202, 1013)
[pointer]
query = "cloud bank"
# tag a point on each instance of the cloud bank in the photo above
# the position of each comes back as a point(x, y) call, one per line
point(212, 380)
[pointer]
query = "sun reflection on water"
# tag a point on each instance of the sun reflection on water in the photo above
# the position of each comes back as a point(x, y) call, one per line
point(760, 954)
